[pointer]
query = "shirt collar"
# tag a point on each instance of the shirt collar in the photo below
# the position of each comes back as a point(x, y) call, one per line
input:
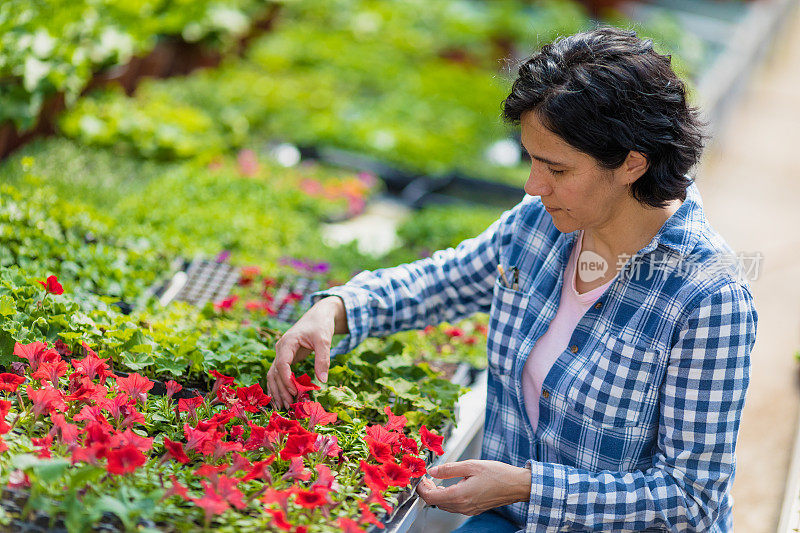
point(681, 231)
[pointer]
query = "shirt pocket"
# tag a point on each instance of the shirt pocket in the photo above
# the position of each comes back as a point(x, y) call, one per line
point(505, 323)
point(612, 388)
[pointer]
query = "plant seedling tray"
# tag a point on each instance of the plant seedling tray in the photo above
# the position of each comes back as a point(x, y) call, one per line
point(199, 281)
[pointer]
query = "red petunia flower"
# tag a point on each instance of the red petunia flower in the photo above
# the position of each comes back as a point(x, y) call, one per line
point(239, 463)
point(315, 413)
point(328, 446)
point(407, 444)
point(368, 517)
point(124, 460)
point(10, 382)
point(252, 398)
point(66, 432)
point(325, 477)
point(381, 434)
point(276, 496)
point(297, 471)
point(298, 445)
point(83, 389)
point(136, 385)
point(374, 477)
point(227, 488)
point(92, 366)
point(396, 423)
point(212, 503)
point(196, 439)
point(90, 454)
point(44, 445)
point(52, 285)
point(36, 353)
point(51, 371)
point(5, 406)
point(237, 431)
point(219, 448)
point(129, 438)
point(349, 525)
point(310, 499)
point(279, 519)
point(376, 497)
point(431, 441)
point(173, 387)
point(176, 489)
point(93, 413)
point(209, 470)
point(189, 404)
point(454, 332)
point(396, 475)
point(226, 304)
point(260, 470)
point(45, 400)
point(381, 451)
point(415, 465)
point(175, 451)
point(303, 384)
point(285, 426)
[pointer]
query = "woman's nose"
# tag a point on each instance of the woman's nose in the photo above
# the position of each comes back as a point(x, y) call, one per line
point(537, 185)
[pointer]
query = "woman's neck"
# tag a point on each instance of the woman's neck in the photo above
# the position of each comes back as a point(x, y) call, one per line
point(628, 232)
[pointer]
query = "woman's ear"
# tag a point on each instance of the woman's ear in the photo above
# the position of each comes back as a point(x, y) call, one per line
point(634, 167)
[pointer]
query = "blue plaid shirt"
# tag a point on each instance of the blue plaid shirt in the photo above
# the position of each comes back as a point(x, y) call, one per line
point(639, 415)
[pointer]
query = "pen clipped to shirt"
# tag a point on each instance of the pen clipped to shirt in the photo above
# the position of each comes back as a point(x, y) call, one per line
point(515, 270)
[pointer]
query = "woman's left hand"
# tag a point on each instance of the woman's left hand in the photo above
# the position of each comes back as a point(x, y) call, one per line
point(486, 485)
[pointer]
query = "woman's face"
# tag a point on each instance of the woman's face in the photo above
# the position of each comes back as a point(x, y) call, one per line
point(576, 191)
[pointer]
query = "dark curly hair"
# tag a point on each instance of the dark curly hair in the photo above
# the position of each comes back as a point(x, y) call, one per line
point(607, 92)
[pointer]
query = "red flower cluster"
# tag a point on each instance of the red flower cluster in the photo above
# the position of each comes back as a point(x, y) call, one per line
point(94, 418)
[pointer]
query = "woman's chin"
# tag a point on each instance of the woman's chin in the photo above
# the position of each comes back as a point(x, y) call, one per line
point(564, 226)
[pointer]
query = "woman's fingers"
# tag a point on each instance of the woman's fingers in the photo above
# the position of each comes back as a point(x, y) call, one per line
point(451, 470)
point(322, 359)
point(275, 390)
point(281, 373)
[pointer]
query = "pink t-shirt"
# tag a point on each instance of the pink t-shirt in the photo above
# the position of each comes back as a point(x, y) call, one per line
point(554, 341)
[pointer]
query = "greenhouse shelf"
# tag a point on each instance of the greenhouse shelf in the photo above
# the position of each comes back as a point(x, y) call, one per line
point(470, 411)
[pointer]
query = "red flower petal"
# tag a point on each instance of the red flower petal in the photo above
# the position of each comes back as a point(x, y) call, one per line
point(431, 441)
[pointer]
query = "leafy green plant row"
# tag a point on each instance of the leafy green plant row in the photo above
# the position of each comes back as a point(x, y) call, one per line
point(417, 85)
point(49, 47)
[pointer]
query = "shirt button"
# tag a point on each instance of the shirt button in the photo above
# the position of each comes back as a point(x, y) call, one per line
point(545, 394)
point(573, 348)
point(598, 305)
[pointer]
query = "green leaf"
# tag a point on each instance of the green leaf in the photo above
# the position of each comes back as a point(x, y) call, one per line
point(136, 361)
point(47, 470)
point(398, 386)
point(7, 307)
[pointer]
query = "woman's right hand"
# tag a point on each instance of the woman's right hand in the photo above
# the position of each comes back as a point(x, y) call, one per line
point(312, 332)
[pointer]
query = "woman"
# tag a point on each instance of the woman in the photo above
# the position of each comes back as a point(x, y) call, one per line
point(616, 377)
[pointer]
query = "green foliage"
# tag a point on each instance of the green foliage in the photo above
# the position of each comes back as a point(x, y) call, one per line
point(439, 227)
point(413, 83)
point(51, 46)
point(45, 235)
